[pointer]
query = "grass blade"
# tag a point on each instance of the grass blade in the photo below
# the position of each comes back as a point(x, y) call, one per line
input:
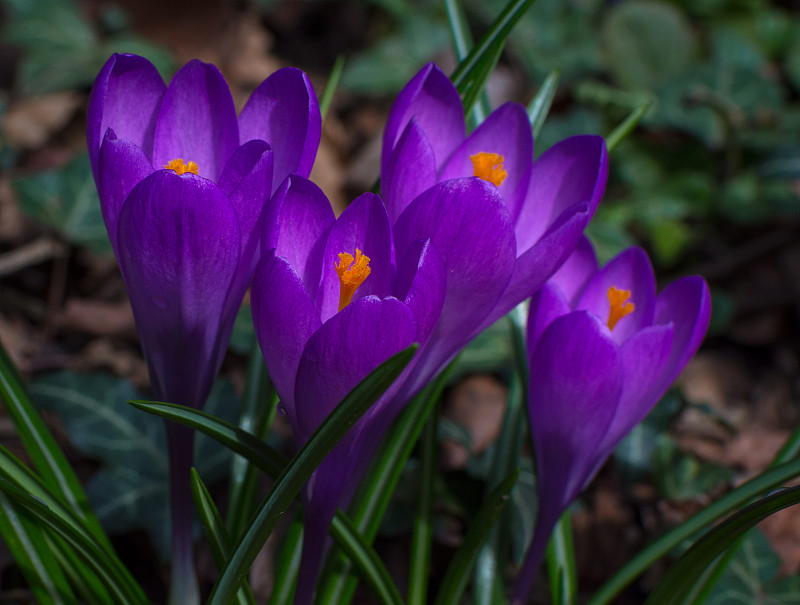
point(288, 566)
point(120, 585)
point(330, 87)
point(541, 103)
point(734, 499)
point(421, 537)
point(31, 550)
point(42, 449)
point(373, 498)
point(215, 532)
point(627, 126)
point(460, 568)
point(462, 42)
point(291, 481)
point(472, 73)
point(673, 586)
point(561, 563)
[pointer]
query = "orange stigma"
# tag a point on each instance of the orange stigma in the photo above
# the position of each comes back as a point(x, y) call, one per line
point(489, 167)
point(178, 166)
point(620, 307)
point(352, 273)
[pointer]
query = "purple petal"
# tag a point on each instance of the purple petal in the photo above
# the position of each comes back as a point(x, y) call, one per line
point(247, 181)
point(629, 270)
point(547, 305)
point(539, 262)
point(422, 284)
point(284, 111)
point(575, 170)
point(432, 100)
point(470, 226)
point(296, 225)
point(644, 357)
point(178, 240)
point(344, 351)
point(364, 225)
point(576, 271)
point(506, 132)
point(576, 376)
point(410, 170)
point(687, 304)
point(285, 318)
point(121, 166)
point(126, 96)
point(197, 120)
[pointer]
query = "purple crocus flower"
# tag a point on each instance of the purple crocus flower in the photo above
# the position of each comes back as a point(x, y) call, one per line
point(546, 203)
point(183, 184)
point(603, 347)
point(326, 317)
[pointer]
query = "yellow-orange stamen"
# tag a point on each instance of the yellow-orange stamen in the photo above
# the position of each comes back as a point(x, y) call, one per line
point(178, 166)
point(352, 272)
point(489, 167)
point(619, 305)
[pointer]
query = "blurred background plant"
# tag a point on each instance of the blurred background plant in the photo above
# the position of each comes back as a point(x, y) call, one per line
point(709, 183)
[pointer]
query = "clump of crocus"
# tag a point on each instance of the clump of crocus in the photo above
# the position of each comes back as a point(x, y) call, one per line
point(603, 347)
point(545, 204)
point(183, 184)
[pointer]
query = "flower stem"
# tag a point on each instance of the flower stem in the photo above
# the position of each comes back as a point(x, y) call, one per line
point(183, 585)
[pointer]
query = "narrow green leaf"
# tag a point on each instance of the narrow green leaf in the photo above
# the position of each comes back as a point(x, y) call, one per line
point(472, 73)
point(373, 498)
point(462, 42)
point(423, 531)
point(367, 562)
point(561, 563)
point(460, 568)
point(627, 126)
point(541, 103)
point(121, 586)
point(239, 441)
point(42, 449)
point(288, 566)
point(256, 417)
point(86, 584)
point(291, 481)
point(33, 555)
point(215, 532)
point(330, 87)
point(732, 500)
point(673, 586)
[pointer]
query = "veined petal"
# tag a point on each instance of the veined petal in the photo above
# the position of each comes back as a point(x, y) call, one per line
point(122, 165)
point(364, 225)
point(576, 381)
point(629, 270)
point(178, 240)
point(644, 357)
point(410, 170)
point(471, 228)
point(574, 170)
point(432, 100)
point(297, 222)
point(344, 351)
point(197, 120)
point(247, 180)
point(422, 284)
point(284, 111)
point(576, 271)
point(285, 318)
point(125, 96)
point(539, 262)
point(547, 305)
point(686, 303)
point(506, 132)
